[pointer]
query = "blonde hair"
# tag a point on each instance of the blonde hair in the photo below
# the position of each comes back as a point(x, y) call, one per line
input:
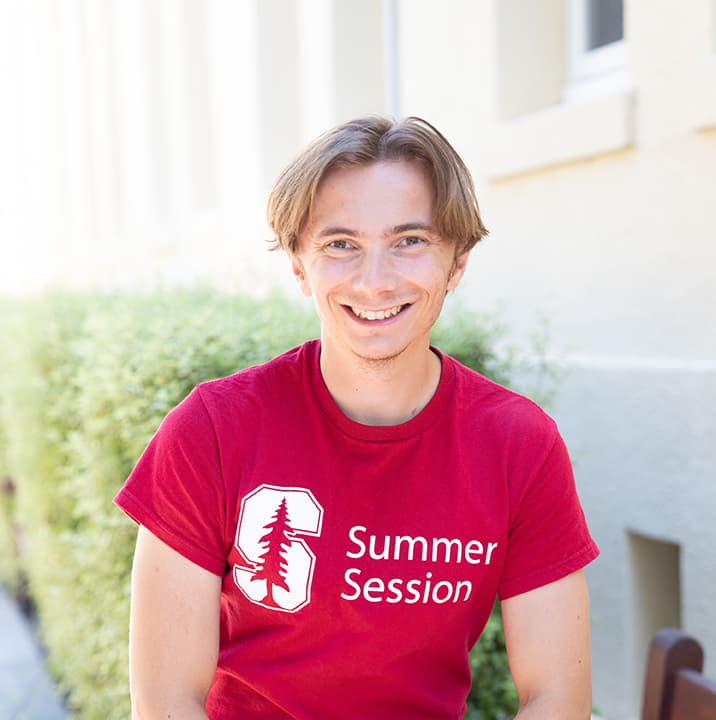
point(373, 139)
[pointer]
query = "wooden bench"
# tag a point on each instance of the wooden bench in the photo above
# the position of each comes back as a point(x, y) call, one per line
point(674, 688)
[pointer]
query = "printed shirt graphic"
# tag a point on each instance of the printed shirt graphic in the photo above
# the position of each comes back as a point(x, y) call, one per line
point(278, 564)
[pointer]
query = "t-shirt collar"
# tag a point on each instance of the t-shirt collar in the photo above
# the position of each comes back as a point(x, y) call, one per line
point(381, 433)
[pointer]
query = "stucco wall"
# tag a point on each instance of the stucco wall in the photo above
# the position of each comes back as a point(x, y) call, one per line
point(599, 210)
point(618, 251)
point(642, 444)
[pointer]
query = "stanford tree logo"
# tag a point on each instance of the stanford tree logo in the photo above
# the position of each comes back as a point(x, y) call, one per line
point(277, 565)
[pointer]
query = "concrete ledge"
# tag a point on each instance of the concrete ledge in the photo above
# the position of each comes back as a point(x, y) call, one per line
point(561, 134)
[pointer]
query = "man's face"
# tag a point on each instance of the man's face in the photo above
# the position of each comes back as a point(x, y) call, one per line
point(376, 269)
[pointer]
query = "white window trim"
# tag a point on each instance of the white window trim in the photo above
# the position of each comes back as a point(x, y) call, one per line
point(592, 73)
point(391, 49)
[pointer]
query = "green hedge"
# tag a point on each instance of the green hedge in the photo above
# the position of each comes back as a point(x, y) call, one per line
point(86, 380)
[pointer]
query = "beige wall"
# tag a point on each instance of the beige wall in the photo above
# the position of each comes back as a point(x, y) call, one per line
point(600, 204)
point(600, 200)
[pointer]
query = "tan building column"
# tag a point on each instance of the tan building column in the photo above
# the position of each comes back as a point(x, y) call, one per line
point(279, 106)
point(320, 62)
point(360, 58)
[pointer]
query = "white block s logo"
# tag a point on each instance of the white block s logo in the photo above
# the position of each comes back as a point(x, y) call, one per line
point(277, 564)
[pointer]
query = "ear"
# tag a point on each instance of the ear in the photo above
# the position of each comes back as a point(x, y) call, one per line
point(458, 270)
point(300, 274)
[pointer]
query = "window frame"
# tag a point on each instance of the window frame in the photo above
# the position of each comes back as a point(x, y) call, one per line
point(592, 72)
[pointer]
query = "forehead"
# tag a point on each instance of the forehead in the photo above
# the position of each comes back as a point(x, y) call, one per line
point(393, 192)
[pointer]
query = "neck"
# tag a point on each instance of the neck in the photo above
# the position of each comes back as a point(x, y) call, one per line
point(381, 392)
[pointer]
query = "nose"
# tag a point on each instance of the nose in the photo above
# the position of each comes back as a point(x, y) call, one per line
point(376, 272)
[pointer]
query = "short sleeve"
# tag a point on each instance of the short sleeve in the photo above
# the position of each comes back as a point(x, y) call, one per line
point(548, 537)
point(176, 489)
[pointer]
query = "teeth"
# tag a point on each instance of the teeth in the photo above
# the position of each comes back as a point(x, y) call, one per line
point(376, 314)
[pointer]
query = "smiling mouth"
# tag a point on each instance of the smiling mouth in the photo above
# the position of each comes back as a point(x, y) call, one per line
point(384, 314)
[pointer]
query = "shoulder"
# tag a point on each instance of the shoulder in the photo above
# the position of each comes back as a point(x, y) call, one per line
point(221, 411)
point(256, 389)
point(282, 370)
point(494, 406)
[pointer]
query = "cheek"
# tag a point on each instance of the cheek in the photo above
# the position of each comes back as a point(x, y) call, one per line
point(326, 278)
point(432, 277)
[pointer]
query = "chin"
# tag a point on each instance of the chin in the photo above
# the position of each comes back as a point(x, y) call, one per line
point(379, 354)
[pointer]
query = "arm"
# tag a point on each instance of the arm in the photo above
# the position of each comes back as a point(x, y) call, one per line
point(173, 632)
point(547, 639)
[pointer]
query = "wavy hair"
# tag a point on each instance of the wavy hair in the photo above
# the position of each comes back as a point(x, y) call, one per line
point(373, 139)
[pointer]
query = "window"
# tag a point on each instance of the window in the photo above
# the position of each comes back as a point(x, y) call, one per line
point(562, 90)
point(605, 22)
point(597, 60)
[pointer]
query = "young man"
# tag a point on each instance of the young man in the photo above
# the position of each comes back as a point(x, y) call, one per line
point(323, 536)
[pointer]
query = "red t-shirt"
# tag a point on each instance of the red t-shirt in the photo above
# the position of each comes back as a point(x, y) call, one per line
point(359, 563)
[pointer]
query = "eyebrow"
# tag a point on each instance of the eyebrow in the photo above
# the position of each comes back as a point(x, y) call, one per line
point(336, 230)
point(412, 226)
point(395, 230)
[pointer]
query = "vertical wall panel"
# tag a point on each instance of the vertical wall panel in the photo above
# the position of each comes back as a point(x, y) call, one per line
point(157, 27)
point(135, 150)
point(391, 51)
point(359, 58)
point(13, 179)
point(234, 96)
point(197, 107)
point(75, 258)
point(102, 137)
point(171, 60)
point(279, 105)
point(43, 218)
point(317, 75)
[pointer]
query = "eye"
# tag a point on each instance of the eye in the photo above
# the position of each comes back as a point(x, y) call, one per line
point(339, 248)
point(339, 245)
point(412, 241)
